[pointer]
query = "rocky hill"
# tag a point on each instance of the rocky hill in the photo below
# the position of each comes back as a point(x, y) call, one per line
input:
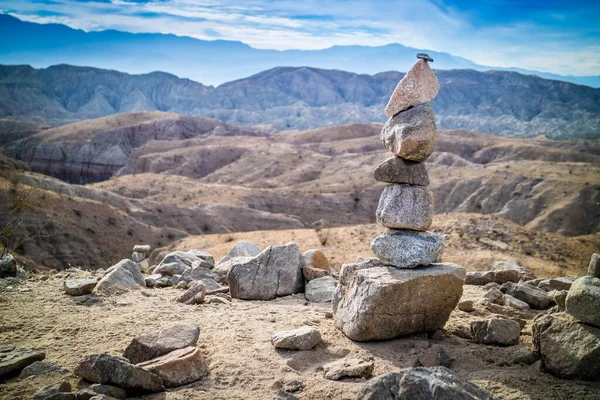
point(502, 103)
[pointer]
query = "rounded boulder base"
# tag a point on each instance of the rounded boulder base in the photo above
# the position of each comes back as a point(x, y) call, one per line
point(405, 207)
point(411, 134)
point(408, 249)
point(381, 302)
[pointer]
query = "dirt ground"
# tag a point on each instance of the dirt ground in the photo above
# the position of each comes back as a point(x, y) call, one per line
point(235, 339)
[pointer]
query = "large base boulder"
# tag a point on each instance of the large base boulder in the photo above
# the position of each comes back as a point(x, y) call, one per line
point(150, 345)
point(121, 277)
point(275, 272)
point(583, 300)
point(408, 249)
point(381, 302)
point(178, 367)
point(567, 347)
point(423, 384)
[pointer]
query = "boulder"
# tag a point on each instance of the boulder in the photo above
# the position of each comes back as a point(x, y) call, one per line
point(177, 262)
point(531, 295)
point(423, 384)
point(411, 134)
point(244, 249)
point(381, 302)
point(194, 295)
point(504, 332)
point(79, 287)
point(56, 391)
point(418, 86)
point(154, 344)
point(311, 273)
point(137, 256)
point(408, 249)
point(435, 356)
point(399, 170)
point(405, 207)
point(178, 367)
point(211, 285)
point(121, 277)
point(320, 290)
point(304, 338)
point(42, 368)
point(142, 248)
point(583, 300)
point(524, 273)
point(568, 348)
point(594, 266)
point(118, 371)
point(316, 259)
point(348, 368)
point(203, 256)
point(14, 359)
point(277, 271)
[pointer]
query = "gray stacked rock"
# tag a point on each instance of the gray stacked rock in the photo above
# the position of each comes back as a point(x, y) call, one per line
point(406, 289)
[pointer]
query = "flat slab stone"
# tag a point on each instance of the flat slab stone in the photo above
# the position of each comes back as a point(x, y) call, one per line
point(348, 368)
point(418, 86)
point(405, 207)
point(154, 344)
point(411, 134)
point(14, 359)
point(408, 249)
point(42, 368)
point(399, 170)
point(303, 338)
point(79, 287)
point(178, 367)
point(381, 302)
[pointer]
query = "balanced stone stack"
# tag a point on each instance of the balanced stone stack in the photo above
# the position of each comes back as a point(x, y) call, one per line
point(406, 289)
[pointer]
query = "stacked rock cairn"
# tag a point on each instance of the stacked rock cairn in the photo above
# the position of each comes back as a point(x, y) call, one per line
point(406, 289)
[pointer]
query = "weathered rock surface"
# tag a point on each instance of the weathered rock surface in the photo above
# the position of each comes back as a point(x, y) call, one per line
point(435, 356)
point(277, 271)
point(56, 391)
point(121, 277)
point(495, 296)
point(320, 290)
point(42, 368)
point(438, 383)
point(152, 280)
point(531, 295)
point(405, 207)
point(8, 266)
point(423, 299)
point(109, 390)
point(198, 274)
point(594, 266)
point(154, 344)
point(510, 301)
point(224, 266)
point(138, 256)
point(79, 287)
point(177, 262)
point(142, 248)
point(411, 134)
point(170, 269)
point(399, 170)
point(348, 368)
point(14, 359)
point(562, 283)
point(524, 355)
point(244, 249)
point(504, 332)
point(194, 295)
point(178, 367)
point(311, 273)
point(303, 338)
point(466, 306)
point(525, 274)
point(316, 259)
point(418, 86)
point(567, 347)
point(118, 371)
point(479, 278)
point(583, 300)
point(408, 249)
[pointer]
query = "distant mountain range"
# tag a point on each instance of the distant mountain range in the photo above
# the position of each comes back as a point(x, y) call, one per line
point(210, 62)
point(499, 102)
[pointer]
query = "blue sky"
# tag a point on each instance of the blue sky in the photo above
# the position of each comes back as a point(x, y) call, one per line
point(561, 37)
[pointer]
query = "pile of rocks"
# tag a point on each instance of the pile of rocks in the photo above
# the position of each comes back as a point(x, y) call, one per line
point(406, 289)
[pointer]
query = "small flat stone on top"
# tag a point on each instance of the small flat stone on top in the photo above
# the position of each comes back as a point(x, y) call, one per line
point(399, 170)
point(418, 86)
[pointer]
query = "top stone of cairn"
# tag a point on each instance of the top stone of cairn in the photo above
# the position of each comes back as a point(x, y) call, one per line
point(418, 86)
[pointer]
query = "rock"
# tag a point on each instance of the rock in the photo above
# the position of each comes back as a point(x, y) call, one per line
point(21, 274)
point(117, 371)
point(177, 262)
point(87, 394)
point(8, 266)
point(504, 332)
point(219, 300)
point(211, 285)
point(56, 391)
point(423, 299)
point(198, 274)
point(152, 280)
point(495, 296)
point(316, 259)
point(182, 285)
point(320, 290)
point(121, 277)
point(411, 134)
point(525, 274)
point(138, 257)
point(562, 283)
point(399, 170)
point(479, 278)
point(491, 285)
point(178, 367)
point(154, 344)
point(109, 390)
point(568, 348)
point(203, 256)
point(348, 368)
point(594, 266)
point(275, 272)
point(583, 300)
point(303, 338)
point(405, 207)
point(506, 275)
point(170, 269)
point(174, 280)
point(283, 395)
point(244, 249)
point(510, 301)
point(422, 384)
point(466, 306)
point(560, 298)
point(524, 355)
point(311, 273)
point(418, 86)
point(531, 295)
point(408, 249)
point(194, 295)
point(42, 368)
point(79, 287)
point(435, 356)
point(224, 266)
point(141, 248)
point(14, 359)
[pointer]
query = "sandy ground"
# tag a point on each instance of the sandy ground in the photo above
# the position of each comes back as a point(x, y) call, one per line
point(235, 340)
